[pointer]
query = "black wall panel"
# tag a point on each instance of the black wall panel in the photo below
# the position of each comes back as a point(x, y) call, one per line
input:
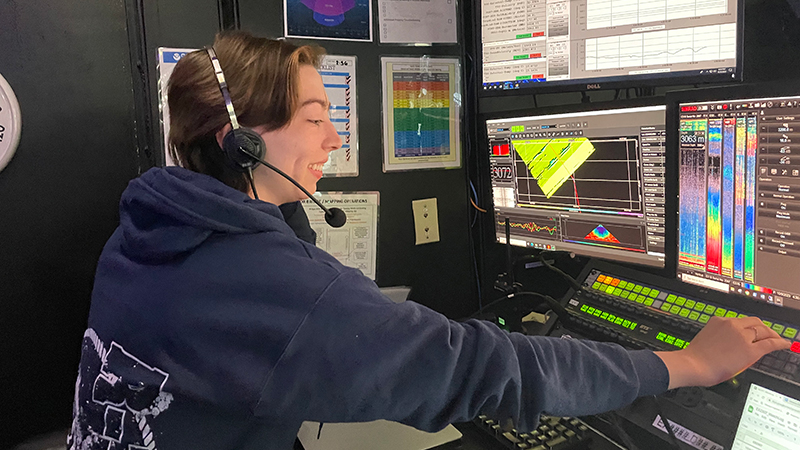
point(70, 64)
point(441, 274)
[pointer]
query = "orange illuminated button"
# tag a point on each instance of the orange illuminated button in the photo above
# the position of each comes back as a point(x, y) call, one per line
point(796, 347)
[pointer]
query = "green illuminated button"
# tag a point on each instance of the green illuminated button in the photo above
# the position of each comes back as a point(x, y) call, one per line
point(654, 293)
point(778, 328)
point(671, 298)
point(626, 323)
point(633, 325)
point(720, 312)
point(767, 323)
point(679, 343)
point(666, 307)
point(623, 285)
point(710, 309)
point(617, 292)
point(637, 289)
point(699, 306)
point(742, 315)
point(694, 315)
point(680, 301)
point(670, 339)
point(625, 294)
point(521, 56)
point(675, 309)
point(790, 333)
point(596, 285)
point(704, 318)
point(733, 314)
point(612, 318)
point(584, 307)
point(646, 291)
point(690, 304)
point(604, 316)
point(648, 302)
point(590, 310)
point(684, 312)
point(640, 299)
point(661, 336)
point(597, 312)
point(524, 36)
point(618, 321)
point(610, 289)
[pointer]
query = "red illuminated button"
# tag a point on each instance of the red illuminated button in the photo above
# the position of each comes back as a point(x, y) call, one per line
point(796, 347)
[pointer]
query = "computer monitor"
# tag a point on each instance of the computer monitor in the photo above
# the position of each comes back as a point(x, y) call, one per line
point(738, 151)
point(597, 44)
point(769, 420)
point(587, 181)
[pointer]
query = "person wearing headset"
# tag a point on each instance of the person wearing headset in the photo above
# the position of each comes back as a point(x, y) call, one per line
point(216, 323)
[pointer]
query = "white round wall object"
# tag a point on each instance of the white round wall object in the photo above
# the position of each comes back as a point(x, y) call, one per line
point(10, 123)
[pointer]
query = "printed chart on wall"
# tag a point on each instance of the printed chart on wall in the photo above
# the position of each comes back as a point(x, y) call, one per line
point(355, 244)
point(167, 59)
point(421, 113)
point(429, 22)
point(339, 76)
point(349, 20)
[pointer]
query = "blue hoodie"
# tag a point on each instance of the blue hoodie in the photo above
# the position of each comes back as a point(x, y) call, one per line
point(214, 326)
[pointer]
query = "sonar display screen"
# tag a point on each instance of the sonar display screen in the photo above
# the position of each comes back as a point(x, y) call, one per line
point(588, 182)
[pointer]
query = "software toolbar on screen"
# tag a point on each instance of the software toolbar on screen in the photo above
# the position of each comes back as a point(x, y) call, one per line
point(588, 182)
point(740, 197)
point(527, 43)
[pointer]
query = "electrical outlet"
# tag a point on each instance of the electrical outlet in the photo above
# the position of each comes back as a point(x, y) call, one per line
point(426, 220)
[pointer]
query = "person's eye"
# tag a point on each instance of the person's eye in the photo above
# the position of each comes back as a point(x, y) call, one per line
point(316, 122)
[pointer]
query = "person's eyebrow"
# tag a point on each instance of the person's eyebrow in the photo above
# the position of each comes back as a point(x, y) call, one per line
point(324, 103)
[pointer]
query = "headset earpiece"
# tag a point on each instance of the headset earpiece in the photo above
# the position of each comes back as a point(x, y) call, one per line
point(242, 139)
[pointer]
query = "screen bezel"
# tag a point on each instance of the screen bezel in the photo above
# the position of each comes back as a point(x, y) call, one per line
point(675, 98)
point(670, 177)
point(617, 82)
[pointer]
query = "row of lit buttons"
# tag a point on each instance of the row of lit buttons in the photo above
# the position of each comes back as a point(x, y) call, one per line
point(689, 309)
point(669, 339)
point(609, 317)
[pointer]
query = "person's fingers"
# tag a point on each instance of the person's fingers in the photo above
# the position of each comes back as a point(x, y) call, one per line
point(771, 344)
point(748, 322)
point(761, 332)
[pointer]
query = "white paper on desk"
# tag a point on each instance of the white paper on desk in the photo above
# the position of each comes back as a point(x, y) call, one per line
point(377, 435)
point(411, 22)
point(354, 244)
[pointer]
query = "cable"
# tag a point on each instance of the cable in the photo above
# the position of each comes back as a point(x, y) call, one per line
point(252, 183)
point(675, 441)
point(476, 206)
point(572, 281)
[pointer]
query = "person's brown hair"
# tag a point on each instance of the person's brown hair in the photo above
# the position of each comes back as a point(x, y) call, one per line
point(262, 80)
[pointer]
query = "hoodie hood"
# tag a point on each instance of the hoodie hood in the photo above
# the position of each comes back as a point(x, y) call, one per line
point(170, 211)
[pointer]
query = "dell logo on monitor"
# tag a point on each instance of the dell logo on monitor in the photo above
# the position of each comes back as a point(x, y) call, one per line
point(593, 86)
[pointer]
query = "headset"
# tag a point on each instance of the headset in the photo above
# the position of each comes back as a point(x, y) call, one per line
point(240, 143)
point(244, 149)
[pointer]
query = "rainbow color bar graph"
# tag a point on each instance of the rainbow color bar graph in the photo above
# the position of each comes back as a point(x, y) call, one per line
point(694, 196)
point(750, 200)
point(421, 104)
point(728, 170)
point(740, 173)
point(713, 219)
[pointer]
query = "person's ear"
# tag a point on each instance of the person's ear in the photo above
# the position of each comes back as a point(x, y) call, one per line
point(222, 132)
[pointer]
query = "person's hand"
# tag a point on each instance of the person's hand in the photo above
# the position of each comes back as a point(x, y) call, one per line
point(724, 348)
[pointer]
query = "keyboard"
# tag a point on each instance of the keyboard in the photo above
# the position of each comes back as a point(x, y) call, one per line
point(553, 433)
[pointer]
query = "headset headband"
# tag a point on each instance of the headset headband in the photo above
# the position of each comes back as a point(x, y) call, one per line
point(223, 87)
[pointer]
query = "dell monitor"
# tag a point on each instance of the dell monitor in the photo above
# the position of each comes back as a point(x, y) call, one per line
point(739, 191)
point(589, 182)
point(596, 44)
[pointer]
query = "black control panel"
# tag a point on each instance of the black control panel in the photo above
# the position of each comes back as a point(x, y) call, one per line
point(644, 311)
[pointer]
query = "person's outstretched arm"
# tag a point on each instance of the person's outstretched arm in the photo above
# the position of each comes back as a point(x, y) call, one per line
point(724, 348)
